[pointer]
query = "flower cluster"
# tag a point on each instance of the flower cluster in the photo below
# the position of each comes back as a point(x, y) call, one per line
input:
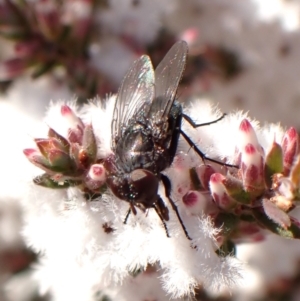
point(68, 161)
point(48, 34)
point(265, 188)
point(220, 206)
point(103, 245)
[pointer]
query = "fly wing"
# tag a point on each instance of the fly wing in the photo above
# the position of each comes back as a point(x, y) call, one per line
point(135, 94)
point(167, 77)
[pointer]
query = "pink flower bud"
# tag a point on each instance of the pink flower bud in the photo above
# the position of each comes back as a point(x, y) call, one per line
point(219, 192)
point(31, 153)
point(76, 126)
point(204, 173)
point(36, 158)
point(67, 112)
point(12, 68)
point(45, 145)
point(27, 48)
point(248, 232)
point(252, 169)
point(96, 177)
point(247, 135)
point(191, 198)
point(197, 203)
point(97, 172)
point(290, 149)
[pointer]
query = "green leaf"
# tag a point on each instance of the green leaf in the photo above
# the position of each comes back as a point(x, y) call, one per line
point(14, 33)
point(89, 143)
point(295, 172)
point(60, 161)
point(63, 141)
point(45, 180)
point(292, 231)
point(273, 163)
point(42, 69)
point(235, 189)
point(136, 271)
point(194, 179)
point(227, 248)
point(227, 222)
point(276, 214)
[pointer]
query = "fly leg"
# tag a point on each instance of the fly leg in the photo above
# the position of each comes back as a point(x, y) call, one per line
point(167, 185)
point(127, 215)
point(193, 145)
point(131, 209)
point(195, 125)
point(158, 211)
point(200, 153)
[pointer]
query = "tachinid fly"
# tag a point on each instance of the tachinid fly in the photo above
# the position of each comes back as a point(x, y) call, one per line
point(145, 130)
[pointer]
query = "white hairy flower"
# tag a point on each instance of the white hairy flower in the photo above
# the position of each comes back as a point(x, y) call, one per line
point(88, 250)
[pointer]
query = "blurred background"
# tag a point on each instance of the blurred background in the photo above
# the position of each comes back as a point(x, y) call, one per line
point(243, 55)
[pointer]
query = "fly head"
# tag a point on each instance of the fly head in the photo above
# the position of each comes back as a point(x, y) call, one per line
point(139, 188)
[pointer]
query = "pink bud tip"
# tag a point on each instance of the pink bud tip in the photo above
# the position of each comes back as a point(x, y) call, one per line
point(245, 126)
point(97, 172)
point(12, 68)
point(190, 198)
point(204, 172)
point(295, 221)
point(292, 133)
point(250, 149)
point(248, 229)
point(65, 110)
point(216, 178)
point(29, 151)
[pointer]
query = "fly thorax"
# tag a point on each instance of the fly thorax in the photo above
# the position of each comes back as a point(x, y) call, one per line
point(160, 129)
point(135, 149)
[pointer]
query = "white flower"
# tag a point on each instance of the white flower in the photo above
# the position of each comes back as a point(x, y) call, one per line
point(88, 249)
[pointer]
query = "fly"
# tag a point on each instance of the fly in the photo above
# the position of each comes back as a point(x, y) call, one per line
point(146, 126)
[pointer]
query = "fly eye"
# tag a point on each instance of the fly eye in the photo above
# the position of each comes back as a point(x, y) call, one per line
point(144, 185)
